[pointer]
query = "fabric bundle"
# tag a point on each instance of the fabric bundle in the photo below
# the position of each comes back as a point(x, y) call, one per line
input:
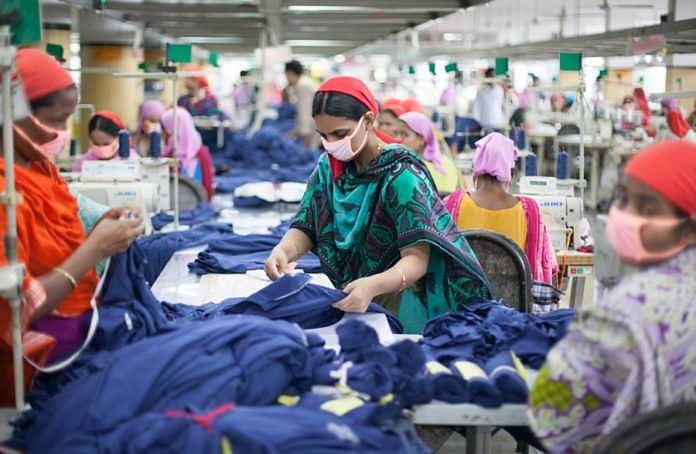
point(483, 328)
point(212, 262)
point(202, 213)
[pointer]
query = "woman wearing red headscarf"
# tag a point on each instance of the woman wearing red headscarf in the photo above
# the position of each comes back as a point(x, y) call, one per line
point(372, 215)
point(198, 100)
point(632, 352)
point(60, 259)
point(103, 132)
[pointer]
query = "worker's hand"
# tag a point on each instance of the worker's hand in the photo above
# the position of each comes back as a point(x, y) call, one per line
point(122, 212)
point(277, 264)
point(360, 295)
point(113, 236)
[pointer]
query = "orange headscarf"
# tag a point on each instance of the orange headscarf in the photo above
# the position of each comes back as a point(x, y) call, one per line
point(412, 105)
point(41, 74)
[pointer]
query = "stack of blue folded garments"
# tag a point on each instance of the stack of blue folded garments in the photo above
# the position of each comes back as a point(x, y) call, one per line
point(211, 262)
point(243, 359)
point(312, 424)
point(481, 329)
point(291, 298)
point(199, 215)
point(159, 248)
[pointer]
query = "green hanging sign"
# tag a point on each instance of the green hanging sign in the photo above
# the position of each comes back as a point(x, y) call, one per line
point(28, 30)
point(451, 67)
point(213, 59)
point(501, 66)
point(411, 69)
point(179, 53)
point(55, 50)
point(570, 61)
point(431, 68)
point(142, 66)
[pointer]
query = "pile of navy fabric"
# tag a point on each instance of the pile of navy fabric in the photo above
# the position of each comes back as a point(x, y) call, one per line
point(159, 248)
point(236, 254)
point(403, 373)
point(310, 425)
point(481, 329)
point(243, 359)
point(285, 122)
point(199, 215)
point(267, 156)
point(291, 298)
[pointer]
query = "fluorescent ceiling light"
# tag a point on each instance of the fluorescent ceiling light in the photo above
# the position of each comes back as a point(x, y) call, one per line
point(320, 9)
point(211, 40)
point(452, 37)
point(318, 43)
point(340, 58)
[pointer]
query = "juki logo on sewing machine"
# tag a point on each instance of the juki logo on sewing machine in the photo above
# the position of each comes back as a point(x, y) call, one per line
point(552, 204)
point(125, 193)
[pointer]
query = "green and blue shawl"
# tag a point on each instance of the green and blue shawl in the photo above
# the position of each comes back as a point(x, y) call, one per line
point(360, 222)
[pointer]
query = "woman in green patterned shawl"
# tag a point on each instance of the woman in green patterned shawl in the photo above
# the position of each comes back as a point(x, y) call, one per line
point(373, 217)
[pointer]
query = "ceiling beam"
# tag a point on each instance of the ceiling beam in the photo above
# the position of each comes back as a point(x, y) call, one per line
point(201, 9)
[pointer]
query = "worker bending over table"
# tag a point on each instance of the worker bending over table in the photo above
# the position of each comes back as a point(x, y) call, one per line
point(372, 216)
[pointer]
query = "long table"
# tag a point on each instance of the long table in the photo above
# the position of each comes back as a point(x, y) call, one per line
point(176, 284)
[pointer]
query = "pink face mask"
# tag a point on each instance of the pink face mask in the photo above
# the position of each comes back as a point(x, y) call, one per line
point(52, 148)
point(149, 128)
point(105, 151)
point(342, 149)
point(623, 232)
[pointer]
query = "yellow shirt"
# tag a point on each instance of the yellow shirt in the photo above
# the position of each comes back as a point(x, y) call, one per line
point(511, 222)
point(445, 184)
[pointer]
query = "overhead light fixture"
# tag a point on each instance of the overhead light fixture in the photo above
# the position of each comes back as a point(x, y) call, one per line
point(318, 43)
point(340, 58)
point(211, 40)
point(321, 9)
point(450, 37)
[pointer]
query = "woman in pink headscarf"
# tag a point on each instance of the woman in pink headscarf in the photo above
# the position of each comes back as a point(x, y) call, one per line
point(418, 134)
point(148, 121)
point(193, 155)
point(489, 206)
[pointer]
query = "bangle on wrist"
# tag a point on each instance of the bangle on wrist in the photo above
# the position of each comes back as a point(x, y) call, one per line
point(403, 280)
point(67, 275)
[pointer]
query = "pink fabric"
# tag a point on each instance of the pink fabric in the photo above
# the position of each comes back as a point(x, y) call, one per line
point(538, 249)
point(150, 108)
point(90, 156)
point(189, 139)
point(207, 170)
point(495, 155)
point(420, 124)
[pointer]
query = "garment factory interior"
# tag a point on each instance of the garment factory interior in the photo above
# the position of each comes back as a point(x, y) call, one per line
point(315, 226)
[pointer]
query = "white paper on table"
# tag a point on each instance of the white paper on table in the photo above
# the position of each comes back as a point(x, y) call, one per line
point(215, 288)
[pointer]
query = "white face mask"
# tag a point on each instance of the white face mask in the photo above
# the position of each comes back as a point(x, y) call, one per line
point(342, 149)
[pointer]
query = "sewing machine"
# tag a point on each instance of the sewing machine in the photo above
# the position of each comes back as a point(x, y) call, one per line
point(117, 184)
point(559, 211)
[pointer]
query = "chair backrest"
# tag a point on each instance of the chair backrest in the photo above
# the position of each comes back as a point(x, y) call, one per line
point(190, 193)
point(668, 430)
point(506, 265)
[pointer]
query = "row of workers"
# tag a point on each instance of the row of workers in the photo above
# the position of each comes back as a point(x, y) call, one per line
point(372, 214)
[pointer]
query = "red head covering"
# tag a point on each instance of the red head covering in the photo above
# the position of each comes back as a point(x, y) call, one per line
point(111, 116)
point(395, 105)
point(677, 124)
point(200, 79)
point(670, 169)
point(412, 105)
point(641, 101)
point(357, 89)
point(41, 74)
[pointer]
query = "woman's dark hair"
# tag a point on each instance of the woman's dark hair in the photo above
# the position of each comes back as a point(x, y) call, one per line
point(103, 124)
point(294, 66)
point(338, 105)
point(50, 99)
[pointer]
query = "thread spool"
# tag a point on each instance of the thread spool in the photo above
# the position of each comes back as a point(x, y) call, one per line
point(73, 148)
point(563, 166)
point(124, 144)
point(155, 144)
point(530, 165)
